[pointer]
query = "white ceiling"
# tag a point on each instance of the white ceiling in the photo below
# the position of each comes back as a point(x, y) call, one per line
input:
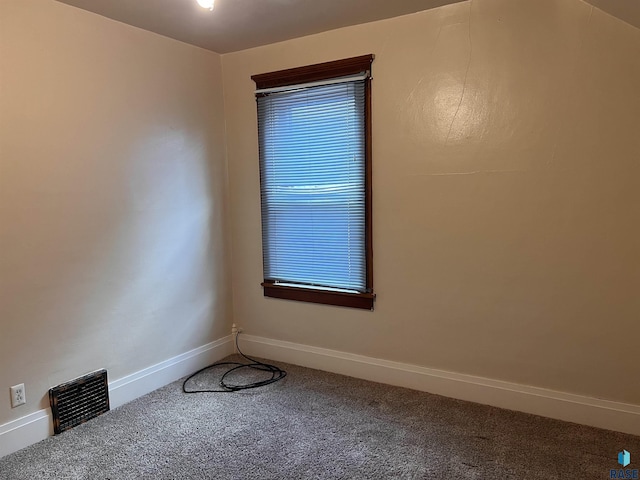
point(239, 24)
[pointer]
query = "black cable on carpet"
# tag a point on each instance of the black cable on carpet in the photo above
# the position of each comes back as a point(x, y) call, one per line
point(276, 374)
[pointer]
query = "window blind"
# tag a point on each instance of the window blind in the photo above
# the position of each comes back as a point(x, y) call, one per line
point(312, 169)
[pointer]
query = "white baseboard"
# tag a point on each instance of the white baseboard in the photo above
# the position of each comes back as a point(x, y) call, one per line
point(25, 431)
point(600, 413)
point(144, 381)
point(569, 407)
point(37, 426)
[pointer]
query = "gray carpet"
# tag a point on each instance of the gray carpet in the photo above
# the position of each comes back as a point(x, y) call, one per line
point(317, 425)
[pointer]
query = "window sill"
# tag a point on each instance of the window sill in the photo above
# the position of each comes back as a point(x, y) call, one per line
point(326, 297)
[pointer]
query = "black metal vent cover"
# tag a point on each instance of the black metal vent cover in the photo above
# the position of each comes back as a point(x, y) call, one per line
point(79, 400)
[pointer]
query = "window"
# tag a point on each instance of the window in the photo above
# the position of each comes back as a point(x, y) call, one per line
point(314, 130)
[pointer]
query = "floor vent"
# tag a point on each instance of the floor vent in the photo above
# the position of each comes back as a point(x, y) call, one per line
point(79, 400)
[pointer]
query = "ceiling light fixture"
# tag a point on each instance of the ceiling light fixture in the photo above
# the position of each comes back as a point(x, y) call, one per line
point(206, 4)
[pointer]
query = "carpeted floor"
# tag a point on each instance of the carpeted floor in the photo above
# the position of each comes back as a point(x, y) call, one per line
point(317, 425)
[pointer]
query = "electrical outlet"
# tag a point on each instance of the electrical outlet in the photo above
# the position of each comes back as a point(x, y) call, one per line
point(18, 395)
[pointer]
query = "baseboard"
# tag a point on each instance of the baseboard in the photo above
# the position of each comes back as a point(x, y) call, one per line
point(144, 381)
point(25, 431)
point(607, 414)
point(569, 407)
point(37, 426)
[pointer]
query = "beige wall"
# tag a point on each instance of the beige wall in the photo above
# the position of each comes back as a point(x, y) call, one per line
point(506, 195)
point(112, 198)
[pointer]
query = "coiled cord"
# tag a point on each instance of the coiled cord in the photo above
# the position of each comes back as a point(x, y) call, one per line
point(276, 374)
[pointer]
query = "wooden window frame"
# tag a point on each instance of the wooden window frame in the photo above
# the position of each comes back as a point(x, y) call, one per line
point(315, 73)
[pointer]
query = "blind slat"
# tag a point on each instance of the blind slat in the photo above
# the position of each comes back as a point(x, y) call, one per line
point(312, 170)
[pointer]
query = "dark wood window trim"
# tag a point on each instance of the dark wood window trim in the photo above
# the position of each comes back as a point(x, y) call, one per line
point(325, 297)
point(314, 73)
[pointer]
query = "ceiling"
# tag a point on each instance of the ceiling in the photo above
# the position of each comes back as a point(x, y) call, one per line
point(239, 24)
point(626, 10)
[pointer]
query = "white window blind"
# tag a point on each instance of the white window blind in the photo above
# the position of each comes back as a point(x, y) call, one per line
point(312, 169)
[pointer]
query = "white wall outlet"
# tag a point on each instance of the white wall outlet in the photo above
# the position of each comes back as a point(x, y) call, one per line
point(18, 395)
point(234, 333)
point(235, 330)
